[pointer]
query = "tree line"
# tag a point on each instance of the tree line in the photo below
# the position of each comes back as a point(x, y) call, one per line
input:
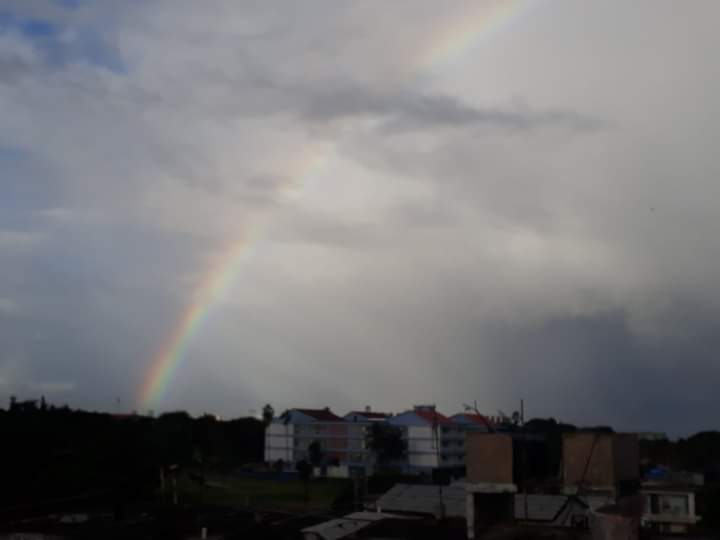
point(49, 452)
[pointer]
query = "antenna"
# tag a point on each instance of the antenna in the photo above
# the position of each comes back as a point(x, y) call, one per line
point(474, 409)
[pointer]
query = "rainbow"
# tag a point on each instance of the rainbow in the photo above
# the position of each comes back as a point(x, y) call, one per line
point(213, 287)
point(459, 36)
point(451, 42)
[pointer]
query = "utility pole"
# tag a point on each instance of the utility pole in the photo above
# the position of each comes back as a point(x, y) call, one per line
point(441, 509)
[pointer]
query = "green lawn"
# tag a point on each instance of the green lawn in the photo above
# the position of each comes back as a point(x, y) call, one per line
point(271, 494)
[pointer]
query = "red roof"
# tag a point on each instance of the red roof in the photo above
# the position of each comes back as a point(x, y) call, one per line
point(433, 417)
point(478, 419)
point(373, 414)
point(324, 415)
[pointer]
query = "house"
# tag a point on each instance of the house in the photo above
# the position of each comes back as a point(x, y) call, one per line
point(288, 438)
point(670, 502)
point(433, 440)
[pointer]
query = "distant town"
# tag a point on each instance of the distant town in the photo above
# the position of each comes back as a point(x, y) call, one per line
point(315, 474)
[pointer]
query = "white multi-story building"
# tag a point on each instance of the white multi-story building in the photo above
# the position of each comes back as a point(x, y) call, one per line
point(359, 424)
point(433, 440)
point(288, 438)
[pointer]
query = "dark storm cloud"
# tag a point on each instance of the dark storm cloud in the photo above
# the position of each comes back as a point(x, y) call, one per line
point(594, 368)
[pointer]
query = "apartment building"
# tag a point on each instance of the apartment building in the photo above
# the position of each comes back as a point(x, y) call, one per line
point(433, 440)
point(359, 424)
point(288, 437)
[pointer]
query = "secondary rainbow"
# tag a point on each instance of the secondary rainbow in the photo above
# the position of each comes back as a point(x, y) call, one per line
point(453, 40)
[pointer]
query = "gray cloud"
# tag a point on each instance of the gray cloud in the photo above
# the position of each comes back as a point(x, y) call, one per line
point(409, 110)
point(534, 218)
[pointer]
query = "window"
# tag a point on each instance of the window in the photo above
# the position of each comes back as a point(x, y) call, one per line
point(674, 504)
point(669, 504)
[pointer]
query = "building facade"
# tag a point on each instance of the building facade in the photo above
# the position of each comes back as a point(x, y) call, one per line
point(432, 440)
point(289, 437)
point(359, 424)
point(669, 507)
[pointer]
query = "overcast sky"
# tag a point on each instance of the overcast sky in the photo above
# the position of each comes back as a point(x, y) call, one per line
point(438, 201)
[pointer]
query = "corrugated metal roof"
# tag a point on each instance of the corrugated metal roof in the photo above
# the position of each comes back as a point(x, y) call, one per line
point(539, 507)
point(424, 499)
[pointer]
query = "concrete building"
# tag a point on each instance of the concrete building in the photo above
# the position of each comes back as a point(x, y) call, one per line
point(288, 438)
point(490, 487)
point(600, 462)
point(670, 503)
point(598, 468)
point(433, 440)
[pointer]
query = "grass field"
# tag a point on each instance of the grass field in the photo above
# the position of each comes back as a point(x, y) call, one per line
point(271, 494)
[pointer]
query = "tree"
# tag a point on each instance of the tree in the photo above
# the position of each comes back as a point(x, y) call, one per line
point(304, 470)
point(268, 413)
point(386, 441)
point(315, 453)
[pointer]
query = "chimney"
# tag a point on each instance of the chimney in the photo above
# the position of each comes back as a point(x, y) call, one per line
point(367, 408)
